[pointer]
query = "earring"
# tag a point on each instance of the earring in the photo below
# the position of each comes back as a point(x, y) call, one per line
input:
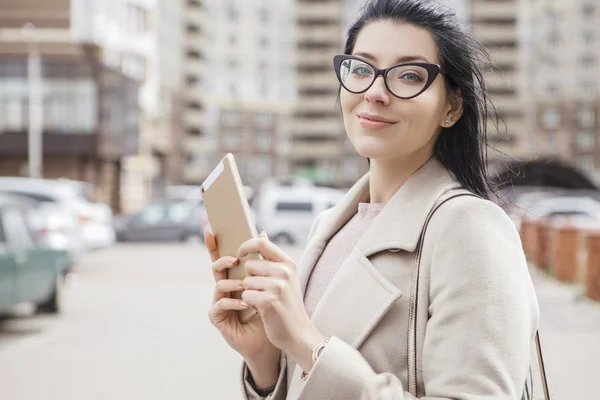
point(452, 119)
point(448, 123)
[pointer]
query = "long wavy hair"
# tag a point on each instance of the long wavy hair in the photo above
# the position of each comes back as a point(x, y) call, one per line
point(461, 148)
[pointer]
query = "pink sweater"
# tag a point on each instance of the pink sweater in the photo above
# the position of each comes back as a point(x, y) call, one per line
point(336, 252)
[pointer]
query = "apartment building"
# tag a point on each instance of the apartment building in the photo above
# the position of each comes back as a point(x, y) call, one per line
point(245, 89)
point(319, 148)
point(564, 85)
point(89, 112)
point(495, 24)
point(143, 39)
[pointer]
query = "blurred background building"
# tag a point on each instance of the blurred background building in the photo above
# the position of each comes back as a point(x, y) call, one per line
point(143, 40)
point(138, 95)
point(562, 79)
point(245, 88)
point(87, 113)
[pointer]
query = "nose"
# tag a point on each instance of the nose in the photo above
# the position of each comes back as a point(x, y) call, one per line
point(378, 92)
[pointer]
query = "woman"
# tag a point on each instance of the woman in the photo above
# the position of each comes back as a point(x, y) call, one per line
point(336, 327)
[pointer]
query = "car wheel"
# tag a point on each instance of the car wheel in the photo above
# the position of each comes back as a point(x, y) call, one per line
point(54, 304)
point(193, 239)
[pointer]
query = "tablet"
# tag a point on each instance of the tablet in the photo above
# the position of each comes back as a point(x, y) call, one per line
point(230, 218)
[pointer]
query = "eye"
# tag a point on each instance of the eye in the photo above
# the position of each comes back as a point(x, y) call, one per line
point(361, 70)
point(411, 76)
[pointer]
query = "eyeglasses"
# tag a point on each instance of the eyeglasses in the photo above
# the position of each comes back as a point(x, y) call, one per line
point(405, 81)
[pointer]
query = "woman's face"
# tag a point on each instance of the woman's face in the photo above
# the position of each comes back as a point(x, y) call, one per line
point(409, 127)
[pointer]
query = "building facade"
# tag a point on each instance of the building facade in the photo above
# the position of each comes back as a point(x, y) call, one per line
point(563, 81)
point(495, 25)
point(241, 74)
point(144, 40)
point(89, 114)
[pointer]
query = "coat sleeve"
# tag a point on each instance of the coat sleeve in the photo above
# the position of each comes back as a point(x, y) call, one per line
point(483, 316)
point(280, 391)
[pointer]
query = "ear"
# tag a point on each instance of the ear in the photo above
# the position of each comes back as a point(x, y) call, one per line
point(453, 110)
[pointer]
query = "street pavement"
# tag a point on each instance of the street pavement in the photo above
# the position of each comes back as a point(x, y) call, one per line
point(135, 327)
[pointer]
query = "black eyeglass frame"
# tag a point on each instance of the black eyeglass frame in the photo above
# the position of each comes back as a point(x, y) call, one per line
point(432, 72)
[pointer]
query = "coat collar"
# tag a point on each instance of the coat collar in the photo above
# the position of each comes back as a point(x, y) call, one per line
point(399, 223)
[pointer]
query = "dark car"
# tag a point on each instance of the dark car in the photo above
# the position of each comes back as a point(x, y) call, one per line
point(166, 221)
point(29, 272)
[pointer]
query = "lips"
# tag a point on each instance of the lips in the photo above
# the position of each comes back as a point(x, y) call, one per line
point(374, 122)
point(375, 118)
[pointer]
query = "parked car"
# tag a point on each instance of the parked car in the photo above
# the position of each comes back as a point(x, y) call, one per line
point(581, 210)
point(163, 221)
point(93, 220)
point(29, 272)
point(287, 212)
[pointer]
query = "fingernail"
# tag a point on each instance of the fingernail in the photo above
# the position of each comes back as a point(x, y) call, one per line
point(241, 283)
point(232, 260)
point(244, 304)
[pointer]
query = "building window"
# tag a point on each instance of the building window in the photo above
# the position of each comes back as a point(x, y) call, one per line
point(232, 140)
point(588, 37)
point(264, 141)
point(551, 142)
point(588, 10)
point(588, 62)
point(551, 118)
point(134, 66)
point(553, 91)
point(264, 14)
point(233, 13)
point(137, 19)
point(587, 118)
point(586, 140)
point(232, 118)
point(264, 41)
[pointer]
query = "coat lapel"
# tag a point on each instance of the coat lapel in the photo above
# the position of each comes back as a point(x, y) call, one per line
point(359, 296)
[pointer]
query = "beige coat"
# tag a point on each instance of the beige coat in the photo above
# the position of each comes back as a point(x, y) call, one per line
point(477, 313)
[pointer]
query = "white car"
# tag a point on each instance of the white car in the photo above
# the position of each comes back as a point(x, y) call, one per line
point(94, 226)
point(286, 213)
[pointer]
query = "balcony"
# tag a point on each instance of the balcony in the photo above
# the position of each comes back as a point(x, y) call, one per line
point(326, 34)
point(491, 34)
point(325, 127)
point(196, 16)
point(325, 81)
point(325, 104)
point(194, 118)
point(484, 9)
point(83, 114)
point(317, 150)
point(307, 11)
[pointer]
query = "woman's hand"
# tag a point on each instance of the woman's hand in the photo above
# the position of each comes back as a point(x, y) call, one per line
point(248, 339)
point(272, 287)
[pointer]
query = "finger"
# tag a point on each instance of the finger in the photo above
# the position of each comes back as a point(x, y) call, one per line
point(211, 246)
point(221, 266)
point(258, 299)
point(264, 247)
point(229, 285)
point(268, 268)
point(220, 309)
point(262, 283)
point(264, 235)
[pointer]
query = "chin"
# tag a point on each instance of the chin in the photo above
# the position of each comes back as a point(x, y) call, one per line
point(375, 149)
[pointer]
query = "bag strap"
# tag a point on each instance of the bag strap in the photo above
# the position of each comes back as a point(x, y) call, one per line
point(412, 313)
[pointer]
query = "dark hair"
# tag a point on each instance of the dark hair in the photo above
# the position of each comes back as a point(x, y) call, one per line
point(462, 148)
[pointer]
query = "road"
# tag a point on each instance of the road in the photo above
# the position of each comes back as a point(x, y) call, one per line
point(135, 327)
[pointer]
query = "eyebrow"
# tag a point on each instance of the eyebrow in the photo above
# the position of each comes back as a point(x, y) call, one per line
point(402, 59)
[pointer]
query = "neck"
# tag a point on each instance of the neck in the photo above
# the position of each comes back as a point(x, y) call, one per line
point(387, 176)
